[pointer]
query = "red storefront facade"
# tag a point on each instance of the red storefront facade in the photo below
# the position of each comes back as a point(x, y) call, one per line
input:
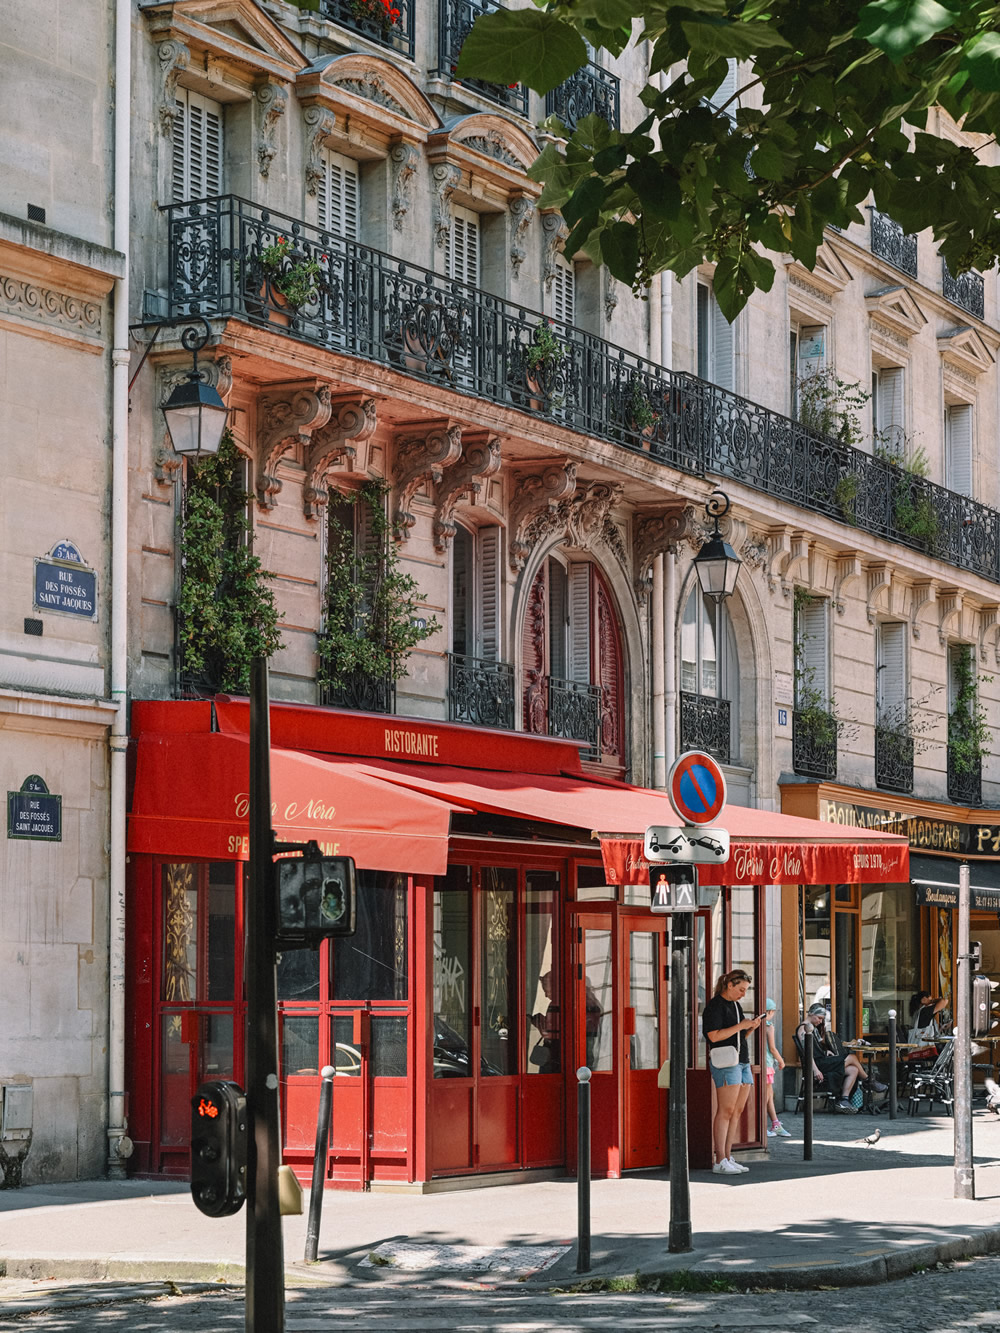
point(496, 949)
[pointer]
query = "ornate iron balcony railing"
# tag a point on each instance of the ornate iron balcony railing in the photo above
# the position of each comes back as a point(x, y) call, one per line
point(362, 694)
point(705, 725)
point(454, 25)
point(372, 19)
point(893, 759)
point(965, 785)
point(891, 243)
point(574, 712)
point(480, 691)
point(374, 306)
point(965, 291)
point(590, 91)
point(814, 744)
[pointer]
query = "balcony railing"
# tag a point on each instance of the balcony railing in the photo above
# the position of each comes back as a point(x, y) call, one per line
point(361, 693)
point(965, 785)
point(591, 91)
point(454, 25)
point(891, 243)
point(814, 744)
point(480, 691)
point(371, 19)
point(374, 306)
point(965, 291)
point(893, 759)
point(574, 712)
point(705, 725)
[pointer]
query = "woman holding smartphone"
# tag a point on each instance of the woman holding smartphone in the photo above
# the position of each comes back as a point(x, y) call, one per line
point(725, 1028)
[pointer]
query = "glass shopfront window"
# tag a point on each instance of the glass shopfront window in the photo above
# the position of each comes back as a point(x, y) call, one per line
point(890, 955)
point(499, 971)
point(452, 974)
point(542, 973)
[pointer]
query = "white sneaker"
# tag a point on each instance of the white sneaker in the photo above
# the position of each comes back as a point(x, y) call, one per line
point(726, 1168)
point(737, 1166)
point(772, 1133)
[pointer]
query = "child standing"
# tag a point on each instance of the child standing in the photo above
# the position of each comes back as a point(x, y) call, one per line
point(775, 1129)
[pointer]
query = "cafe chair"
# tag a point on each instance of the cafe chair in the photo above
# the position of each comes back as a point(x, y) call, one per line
point(933, 1084)
point(821, 1092)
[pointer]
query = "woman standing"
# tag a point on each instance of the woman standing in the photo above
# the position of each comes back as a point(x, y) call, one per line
point(724, 1027)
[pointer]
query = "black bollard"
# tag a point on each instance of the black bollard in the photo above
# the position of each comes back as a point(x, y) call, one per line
point(319, 1163)
point(807, 1093)
point(583, 1170)
point(892, 1064)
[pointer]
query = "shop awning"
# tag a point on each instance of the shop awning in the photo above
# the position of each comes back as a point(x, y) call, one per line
point(191, 799)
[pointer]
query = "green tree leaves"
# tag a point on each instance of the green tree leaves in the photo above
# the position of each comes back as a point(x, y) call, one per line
point(522, 46)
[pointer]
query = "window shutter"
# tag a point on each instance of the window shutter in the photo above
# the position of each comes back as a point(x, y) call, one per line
point(726, 89)
point(460, 592)
point(579, 623)
point(891, 691)
point(890, 406)
point(958, 442)
point(562, 295)
point(813, 654)
point(723, 349)
point(704, 323)
point(463, 247)
point(489, 593)
point(196, 163)
point(338, 195)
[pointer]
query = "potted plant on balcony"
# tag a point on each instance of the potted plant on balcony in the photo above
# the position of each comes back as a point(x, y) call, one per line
point(289, 278)
point(642, 416)
point(543, 357)
point(968, 731)
point(913, 508)
point(380, 14)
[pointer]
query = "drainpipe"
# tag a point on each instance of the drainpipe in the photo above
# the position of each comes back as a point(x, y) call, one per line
point(666, 285)
point(119, 1145)
point(670, 659)
point(656, 650)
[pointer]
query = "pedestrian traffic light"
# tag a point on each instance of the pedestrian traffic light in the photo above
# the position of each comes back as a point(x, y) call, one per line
point(985, 1010)
point(976, 955)
point(219, 1148)
point(315, 896)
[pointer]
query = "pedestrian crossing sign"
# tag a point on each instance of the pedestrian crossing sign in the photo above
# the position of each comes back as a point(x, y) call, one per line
point(672, 888)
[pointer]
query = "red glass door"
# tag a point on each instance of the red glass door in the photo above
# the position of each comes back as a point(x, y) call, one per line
point(644, 1020)
point(595, 987)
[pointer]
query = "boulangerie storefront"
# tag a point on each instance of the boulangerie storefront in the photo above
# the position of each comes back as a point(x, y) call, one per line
point(499, 944)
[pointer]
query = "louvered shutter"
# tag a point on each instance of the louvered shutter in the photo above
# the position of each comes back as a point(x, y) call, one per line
point(579, 623)
point(338, 195)
point(370, 545)
point(562, 295)
point(488, 568)
point(890, 407)
point(891, 692)
point(463, 246)
point(813, 654)
point(460, 553)
point(726, 89)
point(958, 440)
point(196, 162)
point(723, 348)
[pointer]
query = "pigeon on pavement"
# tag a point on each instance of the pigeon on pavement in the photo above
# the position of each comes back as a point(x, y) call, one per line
point(871, 1140)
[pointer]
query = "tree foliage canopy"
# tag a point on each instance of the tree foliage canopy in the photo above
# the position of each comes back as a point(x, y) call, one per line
point(837, 103)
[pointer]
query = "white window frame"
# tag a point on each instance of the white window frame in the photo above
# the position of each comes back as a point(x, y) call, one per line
point(812, 649)
point(959, 447)
point(889, 408)
point(890, 671)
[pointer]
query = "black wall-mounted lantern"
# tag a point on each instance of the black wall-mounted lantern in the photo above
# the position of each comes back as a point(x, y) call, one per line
point(194, 412)
point(717, 564)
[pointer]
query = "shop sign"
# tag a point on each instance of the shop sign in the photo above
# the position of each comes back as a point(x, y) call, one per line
point(64, 584)
point(980, 900)
point(921, 831)
point(33, 812)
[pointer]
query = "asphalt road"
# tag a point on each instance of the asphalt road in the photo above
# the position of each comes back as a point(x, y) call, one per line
point(956, 1297)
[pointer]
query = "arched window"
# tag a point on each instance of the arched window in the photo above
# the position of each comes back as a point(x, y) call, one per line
point(709, 679)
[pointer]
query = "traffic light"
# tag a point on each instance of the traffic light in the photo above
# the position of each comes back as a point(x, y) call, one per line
point(976, 955)
point(985, 1010)
point(315, 896)
point(219, 1148)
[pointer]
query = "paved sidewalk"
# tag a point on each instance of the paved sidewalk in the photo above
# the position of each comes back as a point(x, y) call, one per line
point(853, 1214)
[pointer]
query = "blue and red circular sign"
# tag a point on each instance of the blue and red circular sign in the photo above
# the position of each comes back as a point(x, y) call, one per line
point(697, 787)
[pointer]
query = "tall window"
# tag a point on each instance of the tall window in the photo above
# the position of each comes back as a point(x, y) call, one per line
point(807, 352)
point(890, 687)
point(716, 344)
point(462, 258)
point(561, 299)
point(475, 573)
point(726, 89)
point(337, 195)
point(958, 446)
point(812, 652)
point(888, 420)
point(709, 664)
point(196, 164)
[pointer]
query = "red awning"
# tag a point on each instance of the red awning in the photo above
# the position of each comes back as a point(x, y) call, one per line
point(191, 799)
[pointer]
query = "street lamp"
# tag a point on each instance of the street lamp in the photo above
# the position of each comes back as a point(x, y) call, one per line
point(194, 412)
point(717, 564)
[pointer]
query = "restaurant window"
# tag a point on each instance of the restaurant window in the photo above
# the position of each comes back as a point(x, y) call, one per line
point(542, 973)
point(816, 947)
point(890, 955)
point(199, 917)
point(499, 971)
point(371, 964)
point(452, 973)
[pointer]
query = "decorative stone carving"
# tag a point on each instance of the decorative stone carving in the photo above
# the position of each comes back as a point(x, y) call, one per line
point(554, 232)
point(536, 494)
point(493, 144)
point(655, 534)
point(848, 569)
point(271, 98)
point(404, 158)
point(753, 552)
point(950, 603)
point(583, 521)
point(522, 210)
point(989, 627)
point(879, 578)
point(319, 125)
point(809, 287)
point(218, 374)
point(372, 87)
point(287, 415)
point(610, 296)
point(174, 57)
point(419, 458)
point(50, 307)
point(351, 422)
point(480, 459)
point(921, 595)
point(446, 180)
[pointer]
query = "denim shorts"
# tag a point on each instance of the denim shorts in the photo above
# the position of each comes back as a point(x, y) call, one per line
point(735, 1074)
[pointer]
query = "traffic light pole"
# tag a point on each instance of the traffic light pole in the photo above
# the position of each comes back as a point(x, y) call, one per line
point(679, 1236)
point(965, 1174)
point(265, 1275)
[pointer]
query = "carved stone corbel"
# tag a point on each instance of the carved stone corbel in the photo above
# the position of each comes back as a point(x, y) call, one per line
point(522, 210)
point(554, 233)
point(656, 534)
point(536, 494)
point(878, 579)
point(351, 421)
point(319, 125)
point(989, 627)
point(848, 569)
point(271, 98)
point(921, 595)
point(446, 180)
point(480, 459)
point(218, 374)
point(610, 296)
point(417, 459)
point(405, 159)
point(950, 603)
point(779, 547)
point(799, 551)
point(174, 57)
point(287, 415)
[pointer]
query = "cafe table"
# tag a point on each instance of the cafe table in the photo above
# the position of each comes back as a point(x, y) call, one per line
point(870, 1052)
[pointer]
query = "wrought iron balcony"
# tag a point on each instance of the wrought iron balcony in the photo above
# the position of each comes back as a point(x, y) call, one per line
point(893, 759)
point(361, 693)
point(965, 783)
point(480, 691)
point(705, 725)
point(591, 91)
point(814, 744)
point(373, 19)
point(378, 308)
point(891, 243)
point(965, 291)
point(454, 25)
point(574, 712)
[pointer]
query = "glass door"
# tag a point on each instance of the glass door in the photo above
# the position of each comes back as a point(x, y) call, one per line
point(594, 1018)
point(643, 958)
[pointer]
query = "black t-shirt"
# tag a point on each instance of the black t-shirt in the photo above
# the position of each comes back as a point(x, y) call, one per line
point(925, 1017)
point(720, 1013)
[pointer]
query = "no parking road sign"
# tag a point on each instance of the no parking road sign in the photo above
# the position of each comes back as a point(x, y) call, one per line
point(697, 787)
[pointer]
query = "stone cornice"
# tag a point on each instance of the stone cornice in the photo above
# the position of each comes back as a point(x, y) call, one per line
point(37, 254)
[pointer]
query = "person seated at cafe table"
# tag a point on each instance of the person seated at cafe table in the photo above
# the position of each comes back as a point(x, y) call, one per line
point(924, 1010)
point(833, 1066)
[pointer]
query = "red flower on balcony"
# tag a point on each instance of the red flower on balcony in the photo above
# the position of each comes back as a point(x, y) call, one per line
point(382, 14)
